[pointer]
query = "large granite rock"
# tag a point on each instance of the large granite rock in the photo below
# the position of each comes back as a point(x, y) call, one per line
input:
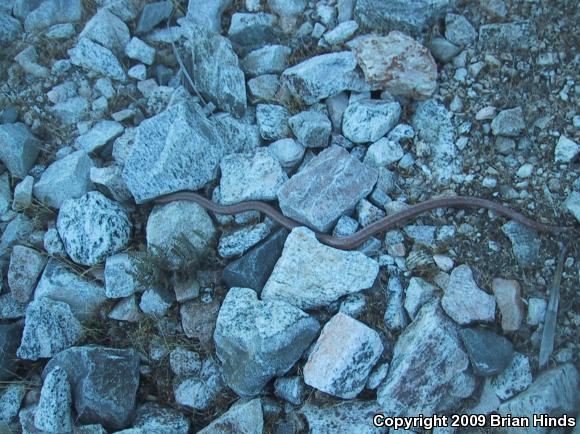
point(330, 185)
point(104, 383)
point(258, 340)
point(18, 148)
point(53, 412)
point(310, 275)
point(10, 335)
point(429, 372)
point(93, 227)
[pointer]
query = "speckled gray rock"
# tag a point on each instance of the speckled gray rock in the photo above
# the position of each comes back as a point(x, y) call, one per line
point(369, 120)
point(347, 416)
point(341, 33)
point(383, 153)
point(26, 264)
point(102, 133)
point(253, 175)
point(520, 35)
point(93, 227)
point(5, 193)
point(49, 328)
point(10, 29)
point(156, 301)
point(18, 148)
point(508, 123)
point(263, 89)
point(107, 30)
point(242, 417)
point(72, 110)
point(10, 335)
point(126, 310)
point(258, 340)
point(343, 357)
point(418, 293)
point(53, 412)
point(153, 417)
point(238, 242)
point(67, 178)
point(18, 230)
point(287, 151)
point(53, 244)
point(200, 391)
point(566, 150)
point(180, 222)
point(249, 31)
point(395, 318)
point(11, 309)
point(525, 243)
point(92, 56)
point(136, 49)
point(272, 120)
point(573, 204)
point(464, 301)
point(271, 59)
point(10, 402)
point(184, 362)
point(431, 346)
point(458, 30)
point(311, 128)
point(109, 181)
point(514, 379)
point(207, 14)
point(152, 14)
point(443, 50)
point(489, 353)
point(120, 281)
point(216, 71)
point(51, 12)
point(23, 194)
point(310, 275)
point(330, 185)
point(291, 389)
point(289, 12)
point(104, 383)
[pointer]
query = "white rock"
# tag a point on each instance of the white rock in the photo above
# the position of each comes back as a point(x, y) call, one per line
point(573, 204)
point(23, 194)
point(239, 242)
point(126, 310)
point(418, 293)
point(207, 13)
point(369, 120)
point(156, 302)
point(514, 379)
point(536, 311)
point(287, 151)
point(109, 180)
point(200, 391)
point(383, 153)
point(458, 30)
point(566, 150)
point(90, 55)
point(242, 417)
point(271, 59)
point(341, 33)
point(120, 280)
point(273, 121)
point(18, 148)
point(102, 133)
point(138, 50)
point(184, 363)
point(138, 72)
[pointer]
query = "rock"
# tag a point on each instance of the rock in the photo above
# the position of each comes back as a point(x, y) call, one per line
point(310, 275)
point(120, 276)
point(429, 345)
point(309, 81)
point(508, 123)
point(10, 402)
point(244, 135)
point(395, 318)
point(566, 150)
point(553, 393)
point(53, 244)
point(18, 148)
point(156, 301)
point(336, 106)
point(50, 327)
point(23, 194)
point(273, 121)
point(573, 204)
point(200, 392)
point(249, 31)
point(248, 364)
point(519, 35)
point(207, 14)
point(19, 229)
point(152, 417)
point(186, 288)
point(489, 353)
point(536, 311)
point(28, 61)
point(288, 11)
point(242, 417)
point(377, 375)
point(345, 227)
point(443, 50)
point(343, 357)
point(421, 234)
point(418, 293)
point(341, 33)
point(369, 120)
point(61, 31)
point(311, 128)
point(253, 269)
point(51, 12)
point(287, 151)
point(238, 242)
point(525, 243)
point(329, 186)
point(90, 55)
point(458, 30)
point(10, 335)
point(71, 111)
point(271, 59)
point(184, 363)
point(126, 310)
point(263, 89)
point(107, 30)
point(138, 50)
point(11, 309)
point(100, 135)
point(103, 381)
point(10, 29)
point(514, 379)
point(346, 416)
point(400, 14)
point(398, 64)
point(5, 193)
point(253, 175)
point(153, 14)
point(464, 301)
point(291, 389)
point(367, 213)
point(383, 153)
point(26, 264)
point(109, 180)
point(216, 71)
point(93, 227)
point(508, 296)
point(192, 147)
point(180, 232)
point(53, 412)
point(198, 319)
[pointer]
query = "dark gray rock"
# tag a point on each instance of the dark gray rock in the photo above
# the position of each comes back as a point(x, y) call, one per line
point(252, 30)
point(104, 383)
point(489, 353)
point(18, 148)
point(153, 14)
point(10, 335)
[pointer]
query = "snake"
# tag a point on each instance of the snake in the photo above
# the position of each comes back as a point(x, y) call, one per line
point(384, 224)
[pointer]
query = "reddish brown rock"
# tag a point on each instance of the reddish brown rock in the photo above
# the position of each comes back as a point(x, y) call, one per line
point(508, 296)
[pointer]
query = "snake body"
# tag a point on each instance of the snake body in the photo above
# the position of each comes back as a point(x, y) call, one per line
point(384, 224)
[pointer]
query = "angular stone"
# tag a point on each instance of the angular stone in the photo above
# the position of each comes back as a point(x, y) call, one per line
point(104, 383)
point(429, 346)
point(508, 296)
point(291, 389)
point(341, 33)
point(398, 64)
point(238, 242)
point(383, 153)
point(120, 271)
point(508, 123)
point(153, 14)
point(273, 121)
point(10, 402)
point(253, 175)
point(443, 50)
point(464, 301)
point(368, 120)
point(26, 264)
point(566, 150)
point(156, 301)
point(18, 148)
point(244, 132)
point(342, 357)
point(458, 30)
point(109, 180)
point(107, 30)
point(367, 213)
point(18, 230)
point(23, 194)
point(154, 418)
point(93, 227)
point(53, 244)
point(207, 14)
point(51, 12)
point(53, 412)
point(310, 275)
point(184, 363)
point(126, 310)
point(199, 392)
point(11, 309)
point(138, 50)
point(49, 328)
point(520, 35)
point(71, 111)
point(100, 135)
point(258, 340)
point(198, 319)
point(10, 29)
point(263, 89)
point(10, 335)
point(514, 379)
point(271, 59)
point(287, 151)
point(489, 353)
point(345, 416)
point(90, 55)
point(418, 293)
point(573, 204)
point(525, 243)
point(252, 30)
point(329, 186)
point(242, 417)
point(288, 11)
point(311, 128)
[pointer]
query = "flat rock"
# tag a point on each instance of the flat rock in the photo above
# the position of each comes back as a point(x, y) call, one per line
point(18, 148)
point(253, 175)
point(242, 417)
point(383, 153)
point(514, 379)
point(102, 133)
point(398, 64)
point(104, 383)
point(520, 35)
point(26, 264)
point(346, 416)
point(93, 227)
point(311, 128)
point(429, 345)
point(153, 417)
point(92, 56)
point(51, 12)
point(525, 243)
point(258, 340)
point(271, 59)
point(107, 30)
point(342, 357)
point(310, 275)
point(10, 335)
point(566, 150)
point(489, 353)
point(49, 328)
point(508, 123)
point(272, 120)
point(72, 110)
point(207, 14)
point(368, 120)
point(330, 185)
point(67, 178)
point(509, 300)
point(53, 412)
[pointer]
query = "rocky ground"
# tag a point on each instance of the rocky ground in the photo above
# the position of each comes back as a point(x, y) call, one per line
point(118, 315)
